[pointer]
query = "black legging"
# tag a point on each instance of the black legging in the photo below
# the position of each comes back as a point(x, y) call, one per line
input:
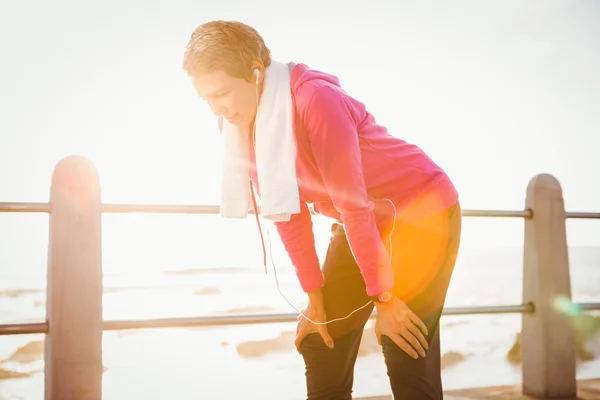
point(424, 255)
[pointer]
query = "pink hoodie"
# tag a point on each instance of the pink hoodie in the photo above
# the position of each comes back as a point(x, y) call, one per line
point(350, 168)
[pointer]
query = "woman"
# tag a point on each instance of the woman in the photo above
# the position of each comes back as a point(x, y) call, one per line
point(398, 227)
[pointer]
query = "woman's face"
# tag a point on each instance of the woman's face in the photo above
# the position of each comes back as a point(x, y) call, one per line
point(233, 98)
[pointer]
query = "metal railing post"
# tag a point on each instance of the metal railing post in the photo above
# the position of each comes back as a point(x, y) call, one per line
point(73, 346)
point(548, 342)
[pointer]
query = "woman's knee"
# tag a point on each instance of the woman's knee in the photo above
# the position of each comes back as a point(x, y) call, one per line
point(415, 379)
point(329, 372)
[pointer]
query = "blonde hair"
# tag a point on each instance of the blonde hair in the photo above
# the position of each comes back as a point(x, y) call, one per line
point(228, 45)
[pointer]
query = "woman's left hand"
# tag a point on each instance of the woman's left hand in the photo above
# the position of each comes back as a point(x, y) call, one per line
point(397, 321)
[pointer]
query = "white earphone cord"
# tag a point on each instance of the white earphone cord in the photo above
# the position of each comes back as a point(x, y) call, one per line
point(257, 74)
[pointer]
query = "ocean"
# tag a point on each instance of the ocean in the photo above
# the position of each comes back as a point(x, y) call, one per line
point(175, 265)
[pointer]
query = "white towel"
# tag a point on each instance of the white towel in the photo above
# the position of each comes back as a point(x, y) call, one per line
point(275, 150)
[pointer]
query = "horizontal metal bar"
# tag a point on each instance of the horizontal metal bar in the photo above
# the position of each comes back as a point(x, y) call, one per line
point(214, 209)
point(583, 215)
point(24, 207)
point(223, 320)
point(23, 329)
point(159, 209)
point(218, 320)
point(588, 306)
point(498, 213)
point(509, 309)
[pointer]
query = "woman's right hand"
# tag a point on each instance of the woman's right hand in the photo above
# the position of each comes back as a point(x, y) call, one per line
point(315, 311)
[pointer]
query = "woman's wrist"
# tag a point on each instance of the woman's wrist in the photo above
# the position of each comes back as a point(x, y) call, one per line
point(383, 306)
point(384, 300)
point(315, 297)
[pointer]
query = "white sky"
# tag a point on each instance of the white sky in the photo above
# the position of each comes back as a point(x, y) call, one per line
point(494, 91)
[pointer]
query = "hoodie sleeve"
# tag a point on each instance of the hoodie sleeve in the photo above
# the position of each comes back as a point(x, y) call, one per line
point(298, 239)
point(333, 135)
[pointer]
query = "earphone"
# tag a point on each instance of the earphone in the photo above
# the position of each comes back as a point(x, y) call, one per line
point(257, 75)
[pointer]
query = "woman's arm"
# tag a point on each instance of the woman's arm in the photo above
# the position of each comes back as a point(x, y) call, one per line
point(334, 142)
point(298, 239)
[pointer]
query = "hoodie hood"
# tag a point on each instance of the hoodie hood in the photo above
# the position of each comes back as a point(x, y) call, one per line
point(302, 74)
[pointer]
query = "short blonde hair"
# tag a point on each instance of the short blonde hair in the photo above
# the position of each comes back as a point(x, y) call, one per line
point(228, 45)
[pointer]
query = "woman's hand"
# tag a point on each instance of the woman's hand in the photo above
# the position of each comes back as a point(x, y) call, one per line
point(402, 326)
point(315, 310)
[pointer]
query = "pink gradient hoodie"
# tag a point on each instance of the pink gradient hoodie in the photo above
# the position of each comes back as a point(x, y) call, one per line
point(350, 169)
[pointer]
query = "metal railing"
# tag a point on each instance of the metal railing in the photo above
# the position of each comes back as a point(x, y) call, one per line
point(26, 207)
point(76, 314)
point(213, 210)
point(251, 319)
